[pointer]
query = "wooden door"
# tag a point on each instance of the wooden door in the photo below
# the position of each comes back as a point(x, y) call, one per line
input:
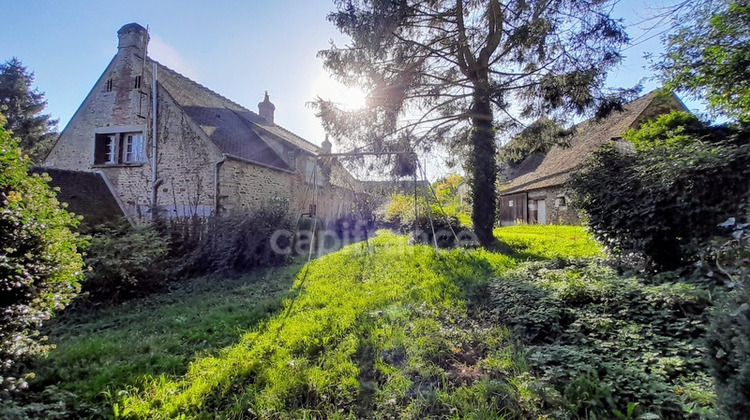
point(513, 209)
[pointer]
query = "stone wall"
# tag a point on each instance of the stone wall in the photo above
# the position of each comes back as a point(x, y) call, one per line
point(245, 187)
point(115, 105)
point(121, 102)
point(559, 210)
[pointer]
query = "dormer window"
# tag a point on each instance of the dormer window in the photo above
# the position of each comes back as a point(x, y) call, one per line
point(119, 148)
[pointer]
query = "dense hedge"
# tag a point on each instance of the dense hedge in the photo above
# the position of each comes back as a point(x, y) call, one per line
point(726, 260)
point(39, 263)
point(665, 198)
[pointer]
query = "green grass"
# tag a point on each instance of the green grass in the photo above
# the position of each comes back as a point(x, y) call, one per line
point(101, 351)
point(540, 242)
point(369, 332)
point(385, 331)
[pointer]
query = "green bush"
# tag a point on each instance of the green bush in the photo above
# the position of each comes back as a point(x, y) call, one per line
point(728, 343)
point(228, 243)
point(441, 201)
point(604, 341)
point(663, 200)
point(39, 263)
point(433, 224)
point(444, 231)
point(125, 261)
point(728, 338)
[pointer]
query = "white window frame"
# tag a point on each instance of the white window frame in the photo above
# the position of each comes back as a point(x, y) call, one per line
point(133, 148)
point(111, 153)
point(126, 145)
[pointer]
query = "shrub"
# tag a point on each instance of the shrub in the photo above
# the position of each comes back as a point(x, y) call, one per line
point(445, 231)
point(125, 261)
point(39, 263)
point(728, 338)
point(662, 200)
point(604, 341)
point(228, 243)
point(441, 201)
point(728, 343)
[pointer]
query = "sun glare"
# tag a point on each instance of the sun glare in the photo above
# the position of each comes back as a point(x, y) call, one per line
point(348, 98)
point(352, 98)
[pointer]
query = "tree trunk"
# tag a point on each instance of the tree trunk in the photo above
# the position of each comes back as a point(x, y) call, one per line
point(483, 169)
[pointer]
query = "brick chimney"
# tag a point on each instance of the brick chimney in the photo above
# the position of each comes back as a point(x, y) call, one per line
point(266, 109)
point(133, 37)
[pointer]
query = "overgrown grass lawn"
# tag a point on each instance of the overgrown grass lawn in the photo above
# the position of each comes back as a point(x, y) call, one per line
point(549, 241)
point(377, 332)
point(390, 330)
point(100, 352)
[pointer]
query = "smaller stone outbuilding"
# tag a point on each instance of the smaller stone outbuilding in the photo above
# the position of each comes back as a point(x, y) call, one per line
point(534, 190)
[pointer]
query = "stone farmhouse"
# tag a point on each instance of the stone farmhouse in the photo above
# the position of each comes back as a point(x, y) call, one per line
point(534, 191)
point(162, 142)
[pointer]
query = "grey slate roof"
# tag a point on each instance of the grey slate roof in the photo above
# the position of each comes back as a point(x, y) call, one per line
point(554, 168)
point(233, 128)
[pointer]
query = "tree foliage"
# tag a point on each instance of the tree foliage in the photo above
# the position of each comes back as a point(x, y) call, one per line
point(728, 338)
point(538, 137)
point(661, 201)
point(461, 73)
point(39, 264)
point(708, 55)
point(23, 107)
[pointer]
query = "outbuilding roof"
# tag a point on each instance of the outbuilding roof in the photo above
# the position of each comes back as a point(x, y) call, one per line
point(86, 193)
point(554, 168)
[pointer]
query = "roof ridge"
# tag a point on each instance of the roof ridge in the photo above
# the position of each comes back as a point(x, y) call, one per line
point(202, 87)
point(242, 108)
point(557, 164)
point(290, 132)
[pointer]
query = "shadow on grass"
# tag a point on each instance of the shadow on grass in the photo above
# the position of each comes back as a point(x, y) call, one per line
point(99, 351)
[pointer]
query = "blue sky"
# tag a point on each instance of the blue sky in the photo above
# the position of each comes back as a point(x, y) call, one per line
point(237, 48)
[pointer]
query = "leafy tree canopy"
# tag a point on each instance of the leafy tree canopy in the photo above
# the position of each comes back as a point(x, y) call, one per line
point(708, 55)
point(23, 107)
point(677, 129)
point(461, 73)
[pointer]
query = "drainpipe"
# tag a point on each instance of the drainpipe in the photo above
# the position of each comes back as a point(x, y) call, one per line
point(155, 182)
point(217, 166)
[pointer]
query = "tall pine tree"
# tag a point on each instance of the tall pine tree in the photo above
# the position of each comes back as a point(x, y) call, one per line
point(463, 72)
point(22, 106)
